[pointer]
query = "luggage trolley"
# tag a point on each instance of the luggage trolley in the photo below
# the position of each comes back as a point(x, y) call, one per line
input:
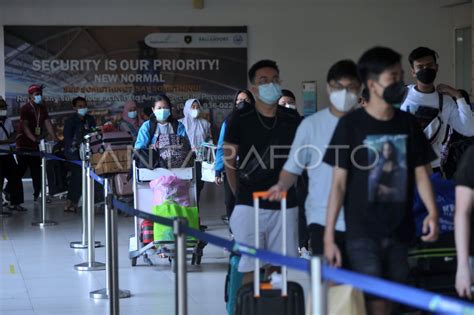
point(143, 201)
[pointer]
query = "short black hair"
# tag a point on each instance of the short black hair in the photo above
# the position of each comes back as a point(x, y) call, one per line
point(162, 98)
point(77, 99)
point(365, 95)
point(262, 64)
point(287, 93)
point(375, 61)
point(421, 52)
point(343, 69)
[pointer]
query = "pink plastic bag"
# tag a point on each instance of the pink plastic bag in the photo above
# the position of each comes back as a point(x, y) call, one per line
point(170, 188)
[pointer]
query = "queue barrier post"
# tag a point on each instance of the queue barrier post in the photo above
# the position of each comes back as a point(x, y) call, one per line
point(180, 263)
point(106, 292)
point(90, 264)
point(43, 223)
point(318, 287)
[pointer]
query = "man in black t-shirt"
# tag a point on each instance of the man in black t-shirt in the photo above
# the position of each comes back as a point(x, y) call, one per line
point(464, 223)
point(379, 153)
point(259, 138)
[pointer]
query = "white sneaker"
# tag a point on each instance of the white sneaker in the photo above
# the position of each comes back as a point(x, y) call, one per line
point(304, 253)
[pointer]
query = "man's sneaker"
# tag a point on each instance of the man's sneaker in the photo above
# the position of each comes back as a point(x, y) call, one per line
point(304, 253)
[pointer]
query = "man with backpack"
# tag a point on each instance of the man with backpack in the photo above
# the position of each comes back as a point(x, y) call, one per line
point(434, 107)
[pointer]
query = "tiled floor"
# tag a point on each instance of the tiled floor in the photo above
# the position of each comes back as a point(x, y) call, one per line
point(37, 274)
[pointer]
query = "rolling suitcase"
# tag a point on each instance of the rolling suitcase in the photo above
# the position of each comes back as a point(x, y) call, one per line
point(254, 299)
point(433, 265)
point(123, 185)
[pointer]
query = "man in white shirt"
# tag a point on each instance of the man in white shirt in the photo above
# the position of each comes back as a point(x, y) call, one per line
point(308, 148)
point(8, 165)
point(435, 108)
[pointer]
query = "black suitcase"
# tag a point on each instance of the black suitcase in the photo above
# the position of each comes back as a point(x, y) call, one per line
point(257, 299)
point(434, 258)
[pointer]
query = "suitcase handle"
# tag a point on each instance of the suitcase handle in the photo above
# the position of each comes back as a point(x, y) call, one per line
point(256, 276)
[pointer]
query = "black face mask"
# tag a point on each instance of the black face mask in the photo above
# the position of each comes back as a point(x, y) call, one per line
point(426, 75)
point(242, 105)
point(395, 93)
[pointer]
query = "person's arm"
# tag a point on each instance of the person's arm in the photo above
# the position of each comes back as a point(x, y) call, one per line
point(50, 129)
point(461, 118)
point(298, 159)
point(219, 163)
point(425, 189)
point(143, 137)
point(462, 232)
point(285, 181)
point(68, 134)
point(336, 199)
point(230, 163)
point(27, 131)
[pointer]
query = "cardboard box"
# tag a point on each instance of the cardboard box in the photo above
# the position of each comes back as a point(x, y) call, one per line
point(112, 168)
point(111, 156)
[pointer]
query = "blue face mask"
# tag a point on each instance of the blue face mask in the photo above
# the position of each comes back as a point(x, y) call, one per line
point(269, 93)
point(82, 111)
point(132, 115)
point(38, 99)
point(162, 114)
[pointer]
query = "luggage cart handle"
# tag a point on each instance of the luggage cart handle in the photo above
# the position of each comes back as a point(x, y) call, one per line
point(265, 194)
point(256, 199)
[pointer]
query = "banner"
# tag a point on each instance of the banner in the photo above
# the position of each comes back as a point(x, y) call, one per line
point(112, 65)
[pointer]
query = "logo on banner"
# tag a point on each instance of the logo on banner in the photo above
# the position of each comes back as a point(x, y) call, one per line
point(238, 39)
point(188, 39)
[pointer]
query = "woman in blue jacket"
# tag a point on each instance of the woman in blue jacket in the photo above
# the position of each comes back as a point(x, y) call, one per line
point(242, 98)
point(161, 122)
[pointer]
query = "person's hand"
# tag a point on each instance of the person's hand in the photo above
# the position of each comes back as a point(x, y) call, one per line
point(218, 180)
point(275, 192)
point(332, 254)
point(448, 90)
point(430, 228)
point(384, 190)
point(463, 282)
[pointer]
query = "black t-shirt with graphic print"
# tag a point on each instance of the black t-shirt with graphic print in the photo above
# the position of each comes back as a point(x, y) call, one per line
point(253, 133)
point(380, 157)
point(465, 177)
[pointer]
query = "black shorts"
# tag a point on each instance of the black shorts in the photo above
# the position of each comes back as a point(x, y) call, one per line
point(385, 258)
point(316, 234)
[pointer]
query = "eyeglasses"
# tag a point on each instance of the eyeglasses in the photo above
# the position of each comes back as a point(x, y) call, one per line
point(351, 87)
point(265, 80)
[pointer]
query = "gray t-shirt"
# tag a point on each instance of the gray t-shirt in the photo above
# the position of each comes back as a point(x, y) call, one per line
point(307, 152)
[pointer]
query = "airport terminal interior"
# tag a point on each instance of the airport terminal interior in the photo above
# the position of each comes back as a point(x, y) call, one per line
point(197, 112)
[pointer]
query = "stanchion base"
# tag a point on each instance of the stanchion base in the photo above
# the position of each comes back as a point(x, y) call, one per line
point(43, 224)
point(102, 294)
point(79, 245)
point(5, 214)
point(93, 266)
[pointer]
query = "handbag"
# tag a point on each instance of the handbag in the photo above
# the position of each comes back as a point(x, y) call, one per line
point(208, 172)
point(173, 150)
point(170, 209)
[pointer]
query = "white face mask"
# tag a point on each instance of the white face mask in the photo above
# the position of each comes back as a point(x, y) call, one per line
point(343, 100)
point(3, 113)
point(194, 113)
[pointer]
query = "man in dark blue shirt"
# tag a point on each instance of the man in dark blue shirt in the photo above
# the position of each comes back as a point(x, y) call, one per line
point(75, 128)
